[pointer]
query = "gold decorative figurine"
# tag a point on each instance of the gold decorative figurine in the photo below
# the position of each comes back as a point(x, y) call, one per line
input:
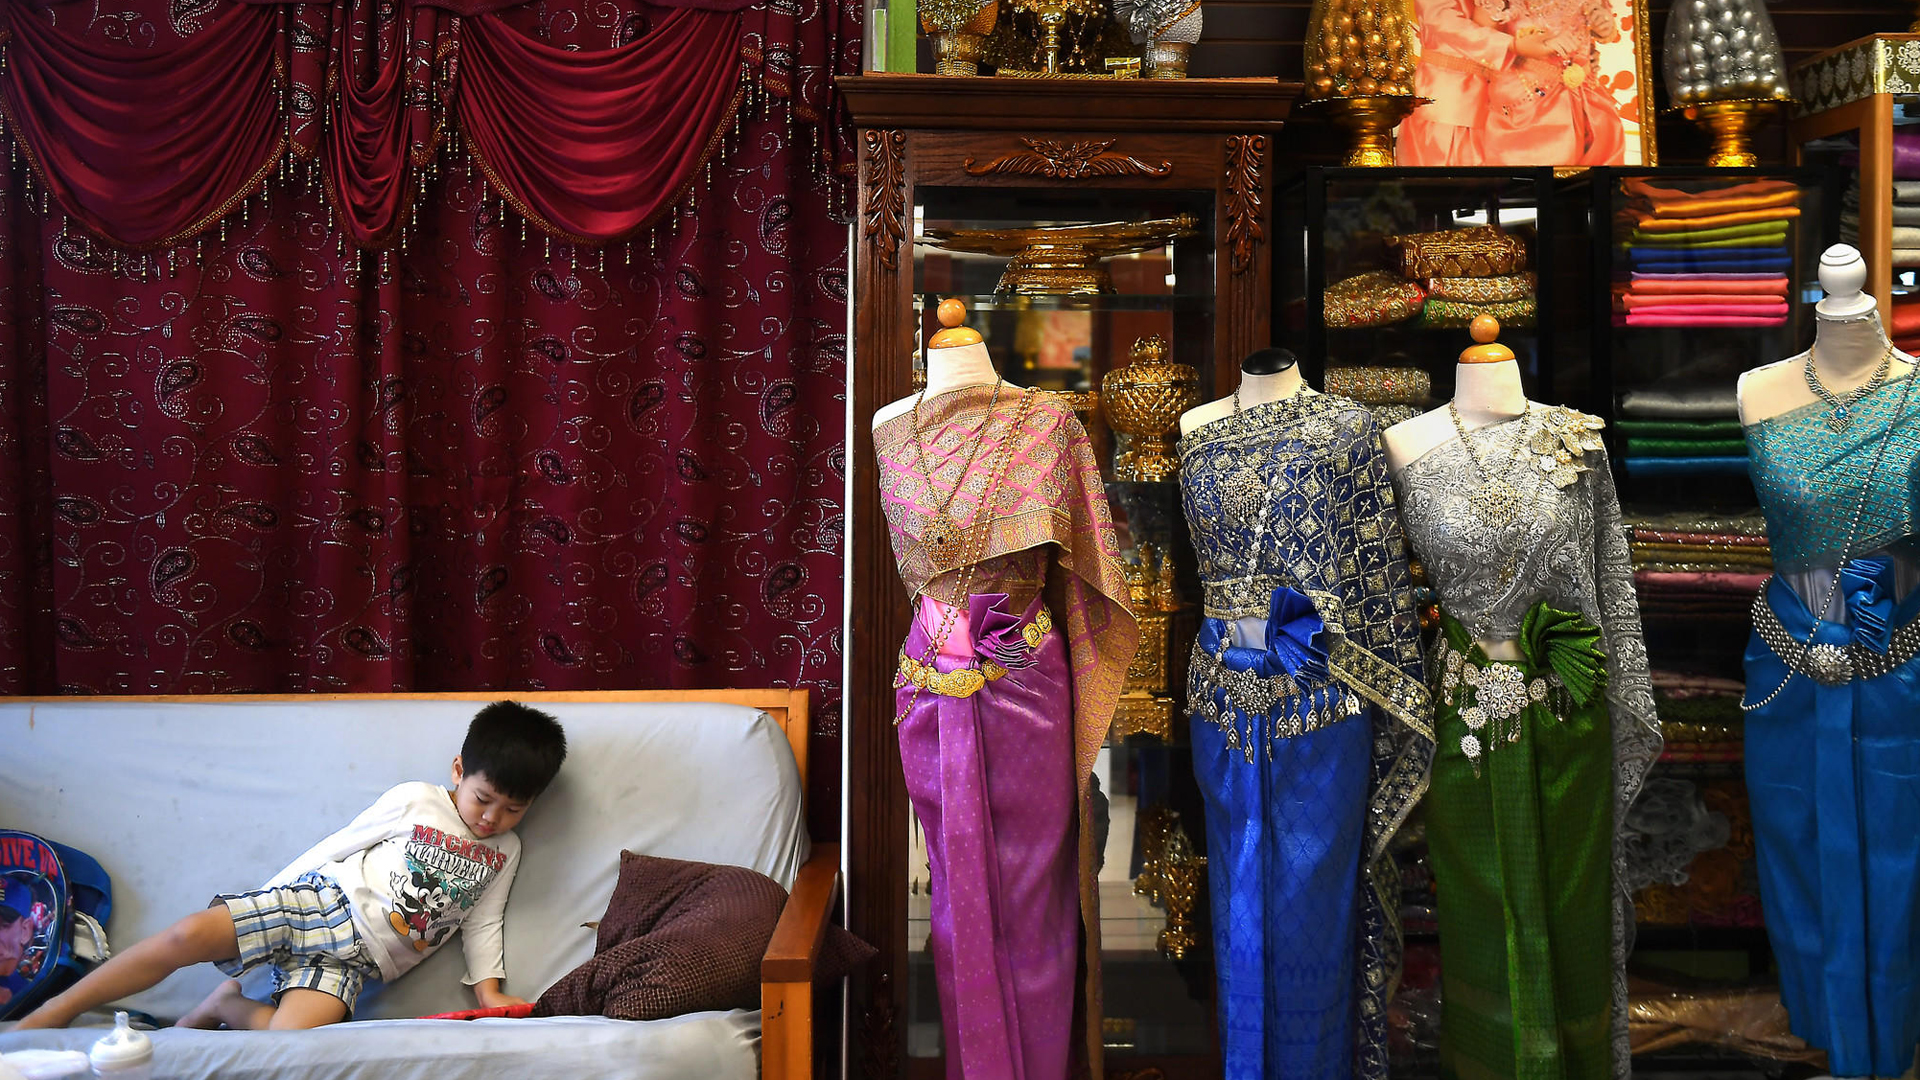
point(1144, 707)
point(1144, 401)
point(1360, 59)
point(958, 30)
point(1180, 871)
point(1155, 824)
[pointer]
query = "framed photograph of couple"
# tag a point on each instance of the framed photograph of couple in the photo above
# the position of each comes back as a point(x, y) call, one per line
point(1531, 82)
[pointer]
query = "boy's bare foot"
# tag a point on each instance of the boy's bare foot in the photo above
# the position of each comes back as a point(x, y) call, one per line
point(211, 1013)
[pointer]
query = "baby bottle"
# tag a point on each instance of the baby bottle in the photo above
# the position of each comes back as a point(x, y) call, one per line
point(124, 1054)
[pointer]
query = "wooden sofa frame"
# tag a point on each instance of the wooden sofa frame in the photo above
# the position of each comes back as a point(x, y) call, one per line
point(787, 969)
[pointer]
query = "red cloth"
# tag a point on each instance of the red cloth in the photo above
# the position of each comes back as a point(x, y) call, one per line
point(1906, 319)
point(1735, 302)
point(1765, 286)
point(513, 1012)
point(466, 466)
point(591, 143)
point(1657, 318)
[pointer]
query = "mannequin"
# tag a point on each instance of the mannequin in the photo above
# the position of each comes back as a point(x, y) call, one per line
point(1004, 693)
point(1833, 679)
point(1848, 344)
point(1486, 391)
point(1543, 719)
point(1268, 375)
point(956, 356)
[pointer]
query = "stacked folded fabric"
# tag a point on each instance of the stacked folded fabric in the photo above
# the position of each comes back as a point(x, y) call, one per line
point(1719, 256)
point(1665, 447)
point(1696, 576)
point(1699, 715)
point(1906, 323)
point(1392, 394)
point(1906, 201)
point(1443, 279)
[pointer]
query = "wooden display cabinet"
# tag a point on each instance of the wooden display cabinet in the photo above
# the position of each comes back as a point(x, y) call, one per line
point(991, 153)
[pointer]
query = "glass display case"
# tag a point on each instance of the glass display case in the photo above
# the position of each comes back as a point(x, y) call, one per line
point(1110, 240)
point(1383, 269)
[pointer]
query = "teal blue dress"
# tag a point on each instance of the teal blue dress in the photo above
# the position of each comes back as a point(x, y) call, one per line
point(1833, 757)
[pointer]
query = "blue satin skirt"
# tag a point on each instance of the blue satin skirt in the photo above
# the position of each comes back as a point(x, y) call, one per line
point(1833, 775)
point(1284, 838)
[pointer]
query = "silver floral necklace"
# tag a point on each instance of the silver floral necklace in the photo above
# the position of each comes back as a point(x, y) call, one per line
point(1840, 409)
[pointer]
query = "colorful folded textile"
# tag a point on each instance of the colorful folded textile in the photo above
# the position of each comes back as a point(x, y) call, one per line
point(1760, 233)
point(1777, 308)
point(1375, 298)
point(1903, 214)
point(1756, 284)
point(1731, 557)
point(1685, 466)
point(1908, 345)
point(1734, 303)
point(1693, 402)
point(1684, 684)
point(1455, 313)
point(1648, 534)
point(1751, 523)
point(1678, 429)
point(1479, 251)
point(1659, 201)
point(1909, 256)
point(1906, 319)
point(1713, 221)
point(1685, 447)
point(1650, 318)
point(1732, 260)
point(1482, 290)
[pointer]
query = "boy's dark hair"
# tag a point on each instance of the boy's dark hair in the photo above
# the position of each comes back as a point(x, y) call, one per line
point(8, 916)
point(516, 747)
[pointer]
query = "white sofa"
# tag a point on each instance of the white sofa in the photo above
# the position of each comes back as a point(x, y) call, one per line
point(180, 798)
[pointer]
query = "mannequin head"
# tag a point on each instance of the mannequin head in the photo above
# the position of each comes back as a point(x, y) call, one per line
point(1843, 273)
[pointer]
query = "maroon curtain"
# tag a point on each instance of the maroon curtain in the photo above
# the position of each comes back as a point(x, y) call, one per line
point(485, 461)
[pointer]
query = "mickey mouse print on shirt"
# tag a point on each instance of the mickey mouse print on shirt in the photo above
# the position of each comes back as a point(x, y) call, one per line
point(445, 876)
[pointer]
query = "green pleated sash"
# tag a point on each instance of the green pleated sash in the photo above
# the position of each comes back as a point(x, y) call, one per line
point(1522, 858)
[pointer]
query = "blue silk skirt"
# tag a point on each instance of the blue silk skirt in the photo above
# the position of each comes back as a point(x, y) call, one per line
point(1833, 775)
point(1284, 839)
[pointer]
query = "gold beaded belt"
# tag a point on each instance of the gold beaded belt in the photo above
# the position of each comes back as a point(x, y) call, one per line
point(967, 681)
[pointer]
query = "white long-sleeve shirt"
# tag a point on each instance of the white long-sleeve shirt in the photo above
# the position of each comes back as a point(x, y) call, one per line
point(413, 875)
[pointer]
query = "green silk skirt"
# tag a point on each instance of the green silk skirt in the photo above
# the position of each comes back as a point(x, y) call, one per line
point(1520, 836)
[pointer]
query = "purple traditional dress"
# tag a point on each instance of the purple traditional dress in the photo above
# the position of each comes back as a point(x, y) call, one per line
point(1005, 691)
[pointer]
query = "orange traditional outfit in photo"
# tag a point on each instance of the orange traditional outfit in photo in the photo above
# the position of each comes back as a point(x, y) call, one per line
point(1493, 105)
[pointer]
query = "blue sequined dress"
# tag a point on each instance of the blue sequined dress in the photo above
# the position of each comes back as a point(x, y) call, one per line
point(1311, 748)
point(1833, 758)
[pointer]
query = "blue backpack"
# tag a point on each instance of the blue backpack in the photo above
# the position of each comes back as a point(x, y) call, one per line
point(49, 894)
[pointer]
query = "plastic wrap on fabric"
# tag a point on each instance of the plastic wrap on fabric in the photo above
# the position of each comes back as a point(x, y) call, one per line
point(1666, 1015)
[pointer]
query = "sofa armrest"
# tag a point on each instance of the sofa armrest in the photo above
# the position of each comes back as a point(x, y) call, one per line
point(786, 970)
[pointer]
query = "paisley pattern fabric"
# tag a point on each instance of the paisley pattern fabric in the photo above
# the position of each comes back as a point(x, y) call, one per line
point(1310, 748)
point(474, 464)
point(1567, 548)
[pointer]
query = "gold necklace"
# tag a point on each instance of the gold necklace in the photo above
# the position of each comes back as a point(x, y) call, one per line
point(973, 541)
point(942, 532)
point(1495, 498)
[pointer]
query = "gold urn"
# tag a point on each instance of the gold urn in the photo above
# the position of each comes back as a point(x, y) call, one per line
point(958, 30)
point(1144, 401)
point(1061, 260)
point(1180, 871)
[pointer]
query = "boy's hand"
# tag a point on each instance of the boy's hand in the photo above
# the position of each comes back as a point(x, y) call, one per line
point(490, 996)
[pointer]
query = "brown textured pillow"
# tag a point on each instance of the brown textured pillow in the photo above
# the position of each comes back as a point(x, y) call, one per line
point(681, 937)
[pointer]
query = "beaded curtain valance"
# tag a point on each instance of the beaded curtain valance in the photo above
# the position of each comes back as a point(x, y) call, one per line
point(147, 130)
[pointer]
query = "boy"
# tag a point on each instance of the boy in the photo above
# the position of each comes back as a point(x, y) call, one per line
point(369, 902)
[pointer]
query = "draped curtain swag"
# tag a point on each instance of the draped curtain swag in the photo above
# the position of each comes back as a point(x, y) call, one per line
point(150, 147)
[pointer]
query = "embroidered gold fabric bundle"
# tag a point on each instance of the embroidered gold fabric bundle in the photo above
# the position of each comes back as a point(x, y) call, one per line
point(1375, 298)
point(1455, 313)
point(1380, 385)
point(1482, 290)
point(1481, 251)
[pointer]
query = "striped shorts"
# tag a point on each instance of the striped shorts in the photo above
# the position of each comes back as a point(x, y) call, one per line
point(305, 931)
